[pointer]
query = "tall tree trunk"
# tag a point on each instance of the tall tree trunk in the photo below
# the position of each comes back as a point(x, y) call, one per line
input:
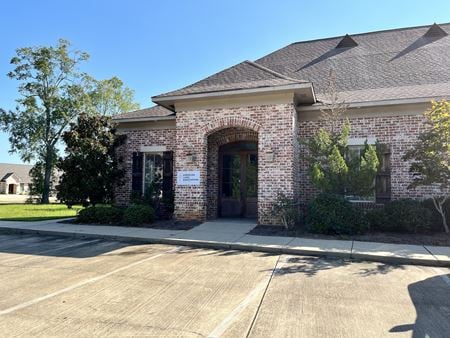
point(444, 222)
point(48, 168)
point(439, 205)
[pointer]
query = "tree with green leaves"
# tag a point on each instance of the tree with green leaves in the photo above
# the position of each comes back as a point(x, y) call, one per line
point(333, 166)
point(37, 174)
point(111, 97)
point(90, 169)
point(52, 94)
point(430, 157)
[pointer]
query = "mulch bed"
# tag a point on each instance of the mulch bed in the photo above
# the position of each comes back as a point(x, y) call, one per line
point(169, 224)
point(438, 239)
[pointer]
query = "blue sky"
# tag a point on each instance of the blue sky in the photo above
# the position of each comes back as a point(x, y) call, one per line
point(157, 46)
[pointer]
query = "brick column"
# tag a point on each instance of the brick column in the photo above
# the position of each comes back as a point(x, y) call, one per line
point(191, 155)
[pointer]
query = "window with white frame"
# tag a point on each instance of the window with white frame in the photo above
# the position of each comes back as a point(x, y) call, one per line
point(153, 170)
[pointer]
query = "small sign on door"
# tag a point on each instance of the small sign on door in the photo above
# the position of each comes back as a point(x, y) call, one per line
point(188, 177)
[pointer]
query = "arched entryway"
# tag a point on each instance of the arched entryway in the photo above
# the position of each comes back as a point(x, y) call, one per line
point(232, 173)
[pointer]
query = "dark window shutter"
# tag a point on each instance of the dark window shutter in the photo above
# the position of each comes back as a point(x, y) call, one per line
point(383, 178)
point(167, 184)
point(137, 172)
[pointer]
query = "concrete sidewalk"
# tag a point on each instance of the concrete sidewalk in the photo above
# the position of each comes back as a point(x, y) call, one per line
point(232, 234)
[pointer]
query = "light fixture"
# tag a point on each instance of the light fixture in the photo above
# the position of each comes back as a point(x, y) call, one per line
point(270, 155)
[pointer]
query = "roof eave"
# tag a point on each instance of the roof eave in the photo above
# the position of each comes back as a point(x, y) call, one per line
point(145, 119)
point(169, 101)
point(377, 103)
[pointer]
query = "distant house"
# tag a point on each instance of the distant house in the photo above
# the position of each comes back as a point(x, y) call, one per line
point(15, 178)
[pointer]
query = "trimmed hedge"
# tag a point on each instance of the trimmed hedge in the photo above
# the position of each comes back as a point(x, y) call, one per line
point(134, 215)
point(405, 216)
point(100, 214)
point(138, 214)
point(334, 215)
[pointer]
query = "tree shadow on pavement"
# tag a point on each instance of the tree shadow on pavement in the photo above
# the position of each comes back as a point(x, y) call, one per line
point(310, 266)
point(380, 268)
point(431, 298)
point(223, 252)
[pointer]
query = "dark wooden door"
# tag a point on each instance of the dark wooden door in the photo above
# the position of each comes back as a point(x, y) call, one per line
point(238, 186)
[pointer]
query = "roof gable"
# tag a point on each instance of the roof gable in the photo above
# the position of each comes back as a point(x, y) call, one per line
point(244, 75)
point(435, 31)
point(347, 42)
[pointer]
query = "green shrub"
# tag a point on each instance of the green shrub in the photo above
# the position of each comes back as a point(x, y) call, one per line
point(86, 215)
point(406, 216)
point(138, 214)
point(333, 214)
point(100, 215)
point(376, 218)
point(109, 215)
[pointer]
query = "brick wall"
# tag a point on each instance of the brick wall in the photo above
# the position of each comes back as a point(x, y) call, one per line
point(275, 129)
point(400, 132)
point(135, 139)
point(199, 134)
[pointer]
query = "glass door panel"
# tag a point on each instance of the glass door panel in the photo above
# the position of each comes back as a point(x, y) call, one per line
point(251, 175)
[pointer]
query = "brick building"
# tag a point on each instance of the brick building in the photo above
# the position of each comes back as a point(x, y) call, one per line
point(229, 143)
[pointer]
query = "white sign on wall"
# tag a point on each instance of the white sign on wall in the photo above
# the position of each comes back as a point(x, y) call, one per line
point(188, 177)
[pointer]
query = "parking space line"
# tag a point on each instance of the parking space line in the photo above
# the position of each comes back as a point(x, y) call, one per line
point(226, 323)
point(27, 255)
point(83, 283)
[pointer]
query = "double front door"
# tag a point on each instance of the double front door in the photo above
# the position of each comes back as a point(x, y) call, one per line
point(238, 180)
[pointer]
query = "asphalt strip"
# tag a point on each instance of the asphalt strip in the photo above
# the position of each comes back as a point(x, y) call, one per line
point(83, 283)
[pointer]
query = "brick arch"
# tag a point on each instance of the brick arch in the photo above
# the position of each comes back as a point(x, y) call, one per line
point(229, 135)
point(230, 122)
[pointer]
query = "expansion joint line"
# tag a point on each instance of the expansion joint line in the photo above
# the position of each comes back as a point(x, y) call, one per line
point(255, 317)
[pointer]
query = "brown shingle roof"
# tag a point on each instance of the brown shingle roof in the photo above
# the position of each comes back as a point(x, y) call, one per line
point(435, 90)
point(395, 62)
point(244, 75)
point(386, 59)
point(155, 111)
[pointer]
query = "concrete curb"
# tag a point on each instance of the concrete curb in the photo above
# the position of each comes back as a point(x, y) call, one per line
point(399, 260)
point(273, 249)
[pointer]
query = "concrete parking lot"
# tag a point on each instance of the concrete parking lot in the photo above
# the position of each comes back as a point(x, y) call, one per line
point(54, 286)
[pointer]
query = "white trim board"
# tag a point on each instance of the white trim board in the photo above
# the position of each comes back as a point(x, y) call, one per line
point(152, 149)
point(359, 141)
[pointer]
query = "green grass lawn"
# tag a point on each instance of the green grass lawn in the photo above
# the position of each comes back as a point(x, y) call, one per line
point(35, 212)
